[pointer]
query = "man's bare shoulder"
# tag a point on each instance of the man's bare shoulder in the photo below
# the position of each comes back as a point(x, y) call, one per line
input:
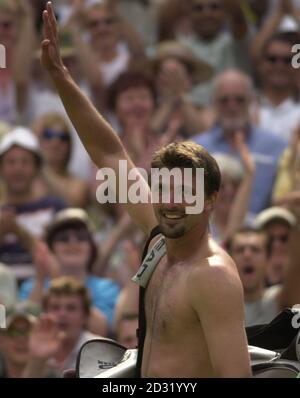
point(215, 278)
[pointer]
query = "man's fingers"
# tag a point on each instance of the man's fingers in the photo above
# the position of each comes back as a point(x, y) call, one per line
point(52, 19)
point(46, 26)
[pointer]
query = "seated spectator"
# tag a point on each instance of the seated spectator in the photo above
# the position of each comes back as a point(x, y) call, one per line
point(237, 178)
point(14, 341)
point(232, 97)
point(250, 250)
point(126, 330)
point(278, 106)
point(277, 222)
point(59, 333)
point(222, 49)
point(8, 287)
point(56, 147)
point(132, 99)
point(113, 49)
point(23, 213)
point(73, 253)
point(177, 71)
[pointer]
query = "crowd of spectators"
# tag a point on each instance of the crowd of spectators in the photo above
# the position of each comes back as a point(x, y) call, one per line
point(216, 72)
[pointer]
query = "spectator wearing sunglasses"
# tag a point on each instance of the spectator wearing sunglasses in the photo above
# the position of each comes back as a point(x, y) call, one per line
point(70, 239)
point(233, 93)
point(56, 147)
point(211, 42)
point(23, 213)
point(277, 222)
point(250, 248)
point(278, 106)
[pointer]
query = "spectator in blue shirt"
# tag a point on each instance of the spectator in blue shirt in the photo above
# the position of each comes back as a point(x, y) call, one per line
point(232, 98)
point(73, 253)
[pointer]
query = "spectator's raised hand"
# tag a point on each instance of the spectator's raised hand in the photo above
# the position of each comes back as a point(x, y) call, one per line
point(46, 339)
point(8, 222)
point(245, 156)
point(46, 265)
point(51, 57)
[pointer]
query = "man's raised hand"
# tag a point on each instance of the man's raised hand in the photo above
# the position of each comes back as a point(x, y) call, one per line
point(51, 58)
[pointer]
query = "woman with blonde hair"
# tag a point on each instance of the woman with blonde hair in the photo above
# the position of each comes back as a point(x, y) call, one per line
point(56, 145)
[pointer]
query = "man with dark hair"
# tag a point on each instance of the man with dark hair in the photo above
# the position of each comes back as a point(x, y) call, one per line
point(193, 299)
point(23, 213)
point(250, 248)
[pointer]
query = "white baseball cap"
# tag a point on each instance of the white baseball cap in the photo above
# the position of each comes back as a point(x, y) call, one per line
point(273, 214)
point(21, 137)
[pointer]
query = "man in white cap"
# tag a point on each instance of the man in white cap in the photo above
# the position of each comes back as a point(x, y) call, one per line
point(22, 213)
point(277, 222)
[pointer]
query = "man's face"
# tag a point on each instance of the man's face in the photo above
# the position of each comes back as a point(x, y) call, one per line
point(250, 255)
point(14, 342)
point(18, 169)
point(276, 66)
point(173, 219)
point(208, 17)
point(127, 333)
point(232, 99)
point(69, 313)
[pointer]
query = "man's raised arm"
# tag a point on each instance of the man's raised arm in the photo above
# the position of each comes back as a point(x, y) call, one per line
point(99, 139)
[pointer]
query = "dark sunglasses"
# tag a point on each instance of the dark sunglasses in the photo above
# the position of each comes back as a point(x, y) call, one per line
point(241, 100)
point(65, 236)
point(100, 22)
point(49, 134)
point(279, 238)
point(275, 59)
point(208, 7)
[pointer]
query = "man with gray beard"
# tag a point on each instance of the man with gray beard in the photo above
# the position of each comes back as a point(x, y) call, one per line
point(232, 97)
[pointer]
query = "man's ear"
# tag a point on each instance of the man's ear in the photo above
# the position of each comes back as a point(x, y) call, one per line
point(210, 202)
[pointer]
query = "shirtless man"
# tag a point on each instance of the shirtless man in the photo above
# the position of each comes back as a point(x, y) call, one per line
point(194, 300)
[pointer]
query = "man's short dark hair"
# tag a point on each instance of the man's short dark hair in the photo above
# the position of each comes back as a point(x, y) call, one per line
point(190, 155)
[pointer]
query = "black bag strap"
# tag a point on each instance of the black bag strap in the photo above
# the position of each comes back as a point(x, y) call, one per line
point(141, 331)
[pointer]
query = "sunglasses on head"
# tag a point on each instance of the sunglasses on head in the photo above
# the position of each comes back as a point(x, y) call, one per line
point(236, 98)
point(49, 134)
point(208, 7)
point(275, 59)
point(79, 235)
point(100, 22)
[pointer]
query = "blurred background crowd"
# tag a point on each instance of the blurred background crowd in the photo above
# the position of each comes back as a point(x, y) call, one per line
point(217, 72)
